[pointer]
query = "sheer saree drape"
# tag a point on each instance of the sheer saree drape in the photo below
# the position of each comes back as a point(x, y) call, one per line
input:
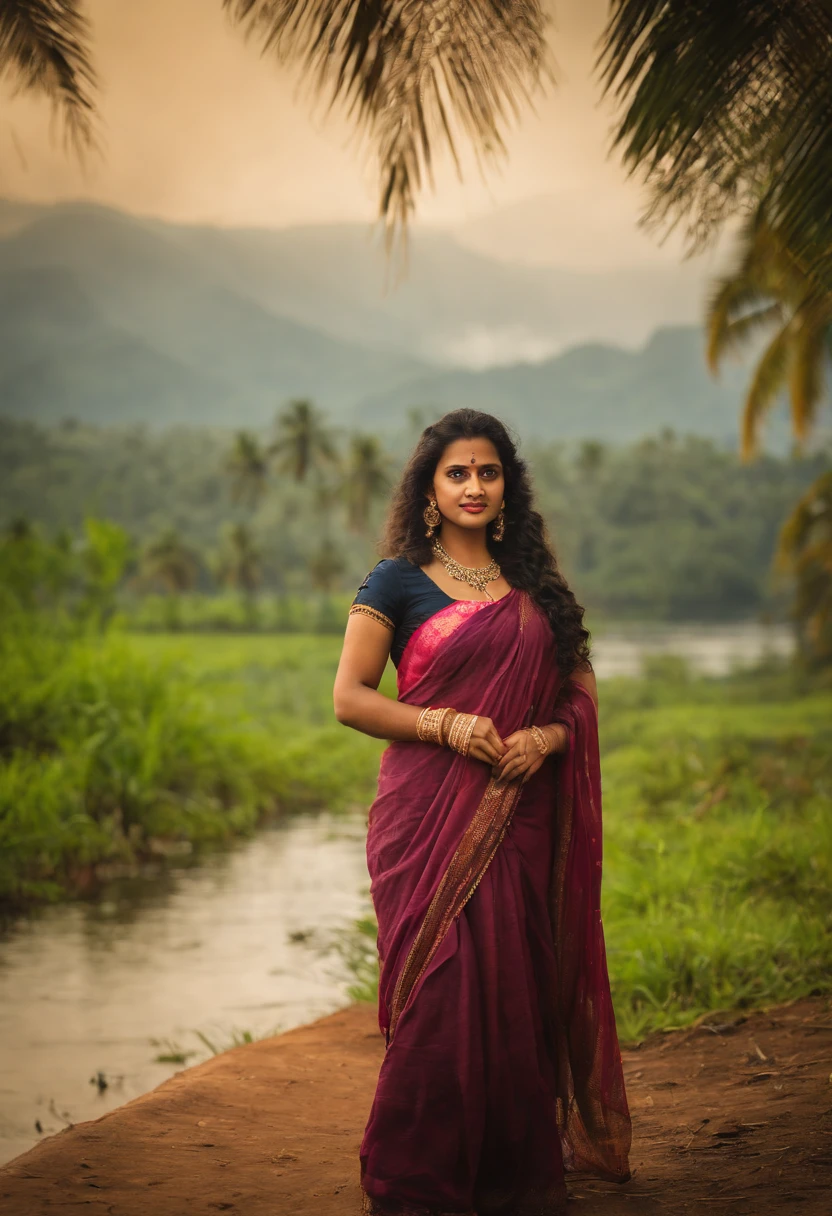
point(502, 1067)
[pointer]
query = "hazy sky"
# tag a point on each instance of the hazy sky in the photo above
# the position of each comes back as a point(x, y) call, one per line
point(197, 126)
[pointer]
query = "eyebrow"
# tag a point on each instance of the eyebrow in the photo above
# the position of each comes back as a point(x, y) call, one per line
point(486, 464)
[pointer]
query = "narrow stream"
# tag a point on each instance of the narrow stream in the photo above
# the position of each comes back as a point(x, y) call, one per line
point(222, 947)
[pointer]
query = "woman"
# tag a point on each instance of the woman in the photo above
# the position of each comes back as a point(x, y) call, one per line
point(502, 1067)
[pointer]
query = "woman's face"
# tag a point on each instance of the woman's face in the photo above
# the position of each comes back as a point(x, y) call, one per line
point(469, 483)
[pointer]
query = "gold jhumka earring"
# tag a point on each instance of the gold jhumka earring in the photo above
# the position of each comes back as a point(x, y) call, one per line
point(431, 517)
point(500, 523)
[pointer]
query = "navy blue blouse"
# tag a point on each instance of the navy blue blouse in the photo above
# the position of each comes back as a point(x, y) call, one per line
point(400, 595)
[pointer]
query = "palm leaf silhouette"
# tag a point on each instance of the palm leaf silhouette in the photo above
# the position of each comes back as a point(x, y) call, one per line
point(43, 48)
point(725, 105)
point(768, 289)
point(413, 74)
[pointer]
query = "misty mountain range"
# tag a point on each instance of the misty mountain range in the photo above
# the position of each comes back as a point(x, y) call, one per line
point(108, 318)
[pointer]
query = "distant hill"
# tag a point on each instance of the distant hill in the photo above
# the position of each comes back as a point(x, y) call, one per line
point(454, 306)
point(109, 318)
point(591, 390)
point(212, 354)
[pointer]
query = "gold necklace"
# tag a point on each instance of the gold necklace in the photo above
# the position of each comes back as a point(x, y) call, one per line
point(474, 576)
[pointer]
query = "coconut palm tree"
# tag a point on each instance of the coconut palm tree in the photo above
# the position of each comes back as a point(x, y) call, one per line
point(326, 566)
point(169, 561)
point(239, 565)
point(248, 465)
point(768, 290)
point(365, 479)
point(805, 552)
point(725, 105)
point(303, 443)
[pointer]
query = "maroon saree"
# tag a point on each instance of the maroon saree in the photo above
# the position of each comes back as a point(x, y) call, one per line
point(502, 1069)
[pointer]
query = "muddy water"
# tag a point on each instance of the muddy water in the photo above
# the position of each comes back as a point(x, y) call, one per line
point(221, 948)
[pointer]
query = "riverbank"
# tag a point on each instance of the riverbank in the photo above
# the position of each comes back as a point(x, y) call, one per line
point(731, 1116)
point(119, 751)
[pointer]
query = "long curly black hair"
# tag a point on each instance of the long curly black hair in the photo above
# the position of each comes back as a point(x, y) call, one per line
point(525, 554)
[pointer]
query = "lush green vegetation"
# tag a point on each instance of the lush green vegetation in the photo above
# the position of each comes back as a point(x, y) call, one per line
point(668, 528)
point(109, 745)
point(718, 846)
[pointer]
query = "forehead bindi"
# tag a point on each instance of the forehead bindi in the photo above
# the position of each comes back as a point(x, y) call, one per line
point(470, 452)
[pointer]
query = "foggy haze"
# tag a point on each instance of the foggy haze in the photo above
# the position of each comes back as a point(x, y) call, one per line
point(198, 127)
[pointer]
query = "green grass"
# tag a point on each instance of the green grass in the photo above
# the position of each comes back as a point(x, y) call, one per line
point(228, 612)
point(108, 743)
point(718, 866)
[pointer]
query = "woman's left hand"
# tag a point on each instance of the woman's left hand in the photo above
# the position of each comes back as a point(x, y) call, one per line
point(521, 759)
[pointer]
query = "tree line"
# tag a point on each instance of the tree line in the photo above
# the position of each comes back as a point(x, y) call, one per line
point(669, 528)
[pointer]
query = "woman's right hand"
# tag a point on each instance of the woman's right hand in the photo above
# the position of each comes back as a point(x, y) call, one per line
point(486, 744)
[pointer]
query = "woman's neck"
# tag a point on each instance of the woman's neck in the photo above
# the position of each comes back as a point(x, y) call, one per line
point(465, 546)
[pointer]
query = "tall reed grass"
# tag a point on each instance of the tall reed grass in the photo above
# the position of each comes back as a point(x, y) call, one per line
point(110, 744)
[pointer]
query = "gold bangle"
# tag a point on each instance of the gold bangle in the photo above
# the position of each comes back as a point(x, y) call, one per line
point(469, 730)
point(433, 721)
point(439, 718)
point(455, 732)
point(543, 745)
point(445, 724)
point(430, 725)
point(459, 736)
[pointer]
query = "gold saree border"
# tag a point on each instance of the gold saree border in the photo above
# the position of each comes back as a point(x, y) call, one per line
point(471, 859)
point(373, 613)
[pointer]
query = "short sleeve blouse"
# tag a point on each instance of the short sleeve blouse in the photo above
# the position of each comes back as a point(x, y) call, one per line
point(397, 593)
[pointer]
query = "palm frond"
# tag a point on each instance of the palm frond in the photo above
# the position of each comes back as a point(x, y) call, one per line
point(804, 555)
point(767, 382)
point(44, 49)
point(741, 330)
point(722, 105)
point(753, 294)
point(736, 311)
point(808, 371)
point(415, 74)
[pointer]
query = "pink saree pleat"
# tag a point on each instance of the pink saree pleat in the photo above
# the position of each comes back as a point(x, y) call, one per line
point(502, 1066)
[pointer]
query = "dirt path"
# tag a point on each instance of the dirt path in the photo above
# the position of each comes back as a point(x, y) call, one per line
point(734, 1119)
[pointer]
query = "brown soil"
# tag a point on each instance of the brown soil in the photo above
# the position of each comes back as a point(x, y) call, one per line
point(733, 1118)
